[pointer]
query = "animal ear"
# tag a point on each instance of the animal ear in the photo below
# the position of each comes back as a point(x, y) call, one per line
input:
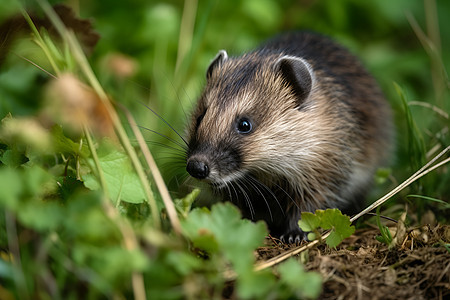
point(298, 73)
point(217, 61)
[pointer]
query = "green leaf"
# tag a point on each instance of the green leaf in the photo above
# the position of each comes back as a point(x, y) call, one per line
point(63, 144)
point(386, 236)
point(309, 222)
point(86, 221)
point(312, 236)
point(21, 184)
point(41, 215)
point(382, 175)
point(13, 158)
point(302, 283)
point(445, 205)
point(10, 187)
point(255, 285)
point(237, 237)
point(222, 230)
point(339, 224)
point(416, 144)
point(113, 263)
point(330, 219)
point(197, 228)
point(336, 237)
point(121, 180)
point(183, 262)
point(184, 205)
point(38, 181)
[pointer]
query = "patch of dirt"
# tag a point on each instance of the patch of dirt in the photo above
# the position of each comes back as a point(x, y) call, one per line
point(363, 268)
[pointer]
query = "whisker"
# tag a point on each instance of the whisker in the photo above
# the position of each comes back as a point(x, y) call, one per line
point(160, 117)
point(186, 181)
point(166, 161)
point(178, 161)
point(249, 180)
point(287, 194)
point(177, 178)
point(162, 145)
point(229, 190)
point(247, 199)
point(178, 97)
point(138, 84)
point(176, 158)
point(165, 136)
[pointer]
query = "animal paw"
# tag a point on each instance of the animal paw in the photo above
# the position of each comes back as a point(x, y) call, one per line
point(293, 237)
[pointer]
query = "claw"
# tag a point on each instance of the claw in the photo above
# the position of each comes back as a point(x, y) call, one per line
point(292, 238)
point(291, 233)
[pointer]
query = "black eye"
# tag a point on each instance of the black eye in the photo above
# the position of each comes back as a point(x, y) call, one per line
point(244, 125)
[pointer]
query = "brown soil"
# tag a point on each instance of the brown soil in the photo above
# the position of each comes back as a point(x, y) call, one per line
point(363, 268)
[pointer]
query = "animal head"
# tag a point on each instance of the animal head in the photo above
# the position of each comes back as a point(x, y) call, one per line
point(255, 116)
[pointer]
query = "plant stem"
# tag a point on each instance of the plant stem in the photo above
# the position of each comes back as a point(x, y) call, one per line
point(14, 250)
point(186, 31)
point(120, 131)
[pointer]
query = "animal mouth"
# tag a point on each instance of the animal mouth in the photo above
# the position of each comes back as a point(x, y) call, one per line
point(219, 185)
point(225, 181)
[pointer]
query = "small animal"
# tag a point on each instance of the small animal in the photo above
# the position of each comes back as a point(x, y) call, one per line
point(295, 125)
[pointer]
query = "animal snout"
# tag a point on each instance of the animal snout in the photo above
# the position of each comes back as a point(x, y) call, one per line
point(197, 168)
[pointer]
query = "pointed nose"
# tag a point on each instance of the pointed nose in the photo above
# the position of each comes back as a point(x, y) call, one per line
point(197, 168)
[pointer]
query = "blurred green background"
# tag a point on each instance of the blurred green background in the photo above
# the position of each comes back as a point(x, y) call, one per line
point(156, 52)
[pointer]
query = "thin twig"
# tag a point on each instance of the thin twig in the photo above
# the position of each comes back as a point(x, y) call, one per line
point(400, 187)
point(282, 257)
point(99, 170)
point(171, 211)
point(383, 217)
point(14, 250)
point(430, 106)
point(36, 65)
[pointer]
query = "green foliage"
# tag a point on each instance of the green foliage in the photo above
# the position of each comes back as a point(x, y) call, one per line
point(184, 204)
point(416, 144)
point(230, 241)
point(382, 175)
point(222, 231)
point(330, 219)
point(298, 282)
point(443, 204)
point(122, 183)
point(385, 237)
point(71, 227)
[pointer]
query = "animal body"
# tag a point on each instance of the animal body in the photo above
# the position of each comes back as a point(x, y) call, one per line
point(295, 125)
